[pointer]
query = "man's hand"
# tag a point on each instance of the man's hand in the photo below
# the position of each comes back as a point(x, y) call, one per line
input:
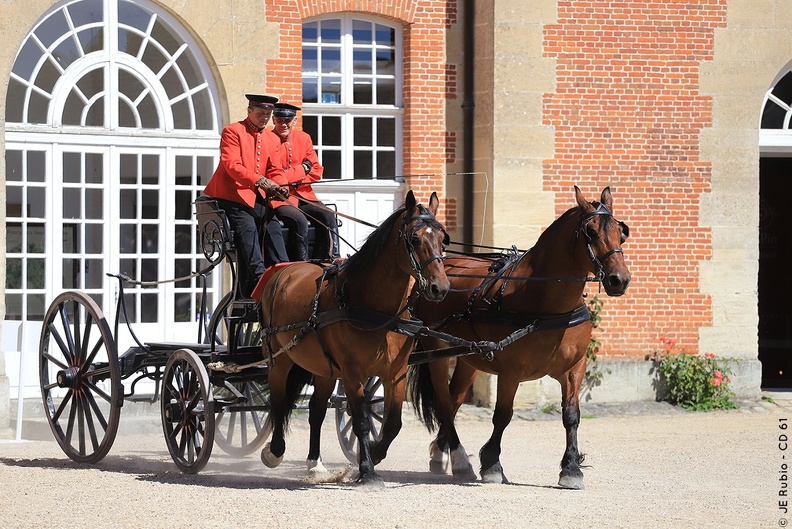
point(272, 190)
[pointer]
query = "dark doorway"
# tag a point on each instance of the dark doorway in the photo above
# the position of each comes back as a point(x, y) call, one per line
point(775, 273)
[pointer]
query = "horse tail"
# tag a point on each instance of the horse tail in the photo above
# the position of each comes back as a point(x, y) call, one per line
point(421, 393)
point(296, 382)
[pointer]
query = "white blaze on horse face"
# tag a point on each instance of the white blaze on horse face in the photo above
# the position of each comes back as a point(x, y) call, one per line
point(429, 229)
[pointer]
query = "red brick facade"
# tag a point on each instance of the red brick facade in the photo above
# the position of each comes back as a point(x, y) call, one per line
point(627, 112)
point(427, 81)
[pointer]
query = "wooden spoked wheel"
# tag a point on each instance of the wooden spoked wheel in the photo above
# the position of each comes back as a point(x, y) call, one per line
point(187, 407)
point(375, 402)
point(241, 428)
point(80, 377)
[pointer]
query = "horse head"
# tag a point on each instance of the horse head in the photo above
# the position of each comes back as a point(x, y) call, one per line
point(425, 240)
point(604, 236)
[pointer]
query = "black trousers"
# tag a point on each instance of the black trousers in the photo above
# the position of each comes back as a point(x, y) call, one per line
point(296, 221)
point(250, 225)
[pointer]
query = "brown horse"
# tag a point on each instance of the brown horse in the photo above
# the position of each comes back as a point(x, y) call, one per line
point(532, 306)
point(351, 324)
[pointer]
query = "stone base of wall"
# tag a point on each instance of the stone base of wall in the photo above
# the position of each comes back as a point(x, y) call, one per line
point(5, 402)
point(622, 381)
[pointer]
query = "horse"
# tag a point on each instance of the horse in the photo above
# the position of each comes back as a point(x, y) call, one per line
point(351, 326)
point(540, 293)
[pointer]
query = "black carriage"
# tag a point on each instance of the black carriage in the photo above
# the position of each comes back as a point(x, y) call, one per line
point(81, 372)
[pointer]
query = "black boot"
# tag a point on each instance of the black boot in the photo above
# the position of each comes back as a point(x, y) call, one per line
point(298, 247)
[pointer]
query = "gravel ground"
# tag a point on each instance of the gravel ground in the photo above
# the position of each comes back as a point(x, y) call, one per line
point(651, 465)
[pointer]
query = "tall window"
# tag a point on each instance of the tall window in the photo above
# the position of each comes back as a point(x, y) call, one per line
point(111, 133)
point(352, 96)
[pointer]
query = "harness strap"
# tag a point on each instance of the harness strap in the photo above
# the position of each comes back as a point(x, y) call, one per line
point(526, 323)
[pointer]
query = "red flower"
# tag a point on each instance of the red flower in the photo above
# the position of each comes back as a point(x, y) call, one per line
point(709, 355)
point(716, 381)
point(718, 374)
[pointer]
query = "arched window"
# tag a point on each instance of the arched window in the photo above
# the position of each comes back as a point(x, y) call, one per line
point(352, 95)
point(776, 117)
point(112, 127)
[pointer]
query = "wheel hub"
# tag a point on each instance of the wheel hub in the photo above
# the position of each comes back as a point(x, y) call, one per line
point(69, 378)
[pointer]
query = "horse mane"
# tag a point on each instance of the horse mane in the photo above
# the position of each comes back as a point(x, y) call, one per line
point(365, 258)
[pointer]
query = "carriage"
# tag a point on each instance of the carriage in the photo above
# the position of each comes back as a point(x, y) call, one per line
point(81, 371)
point(503, 315)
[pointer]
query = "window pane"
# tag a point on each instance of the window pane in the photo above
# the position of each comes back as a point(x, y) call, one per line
point(37, 202)
point(72, 167)
point(386, 165)
point(331, 161)
point(94, 273)
point(309, 60)
point(310, 90)
point(94, 170)
point(310, 31)
point(36, 166)
point(386, 36)
point(148, 269)
point(331, 91)
point(386, 132)
point(130, 300)
point(36, 269)
point(36, 307)
point(363, 91)
point(71, 238)
point(361, 32)
point(386, 62)
point(148, 303)
point(150, 238)
point(13, 172)
point(94, 204)
point(386, 92)
point(773, 116)
point(13, 237)
point(71, 277)
point(363, 132)
point(129, 267)
point(128, 169)
point(13, 273)
point(72, 203)
point(93, 238)
point(183, 242)
point(311, 126)
point(13, 306)
point(36, 239)
point(150, 204)
point(128, 204)
point(331, 31)
point(182, 308)
point(361, 62)
point(331, 130)
point(363, 165)
point(331, 61)
point(127, 234)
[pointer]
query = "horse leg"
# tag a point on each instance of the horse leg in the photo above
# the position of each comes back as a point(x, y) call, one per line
point(317, 410)
point(391, 425)
point(571, 476)
point(272, 453)
point(286, 382)
point(361, 426)
point(491, 469)
point(450, 396)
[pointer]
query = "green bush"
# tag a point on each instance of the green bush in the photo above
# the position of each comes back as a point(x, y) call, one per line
point(695, 382)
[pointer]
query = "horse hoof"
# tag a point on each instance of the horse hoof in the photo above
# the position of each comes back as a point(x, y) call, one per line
point(494, 474)
point(567, 481)
point(269, 460)
point(370, 480)
point(438, 459)
point(315, 466)
point(460, 465)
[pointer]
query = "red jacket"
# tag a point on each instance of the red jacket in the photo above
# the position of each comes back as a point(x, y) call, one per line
point(246, 154)
point(299, 147)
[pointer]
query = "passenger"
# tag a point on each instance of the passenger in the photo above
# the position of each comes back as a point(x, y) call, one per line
point(245, 176)
point(300, 169)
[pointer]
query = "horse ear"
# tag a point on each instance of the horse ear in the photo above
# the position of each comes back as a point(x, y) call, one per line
point(583, 204)
point(606, 198)
point(409, 201)
point(434, 203)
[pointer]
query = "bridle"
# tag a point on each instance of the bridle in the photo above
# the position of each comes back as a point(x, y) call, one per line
point(421, 220)
point(601, 209)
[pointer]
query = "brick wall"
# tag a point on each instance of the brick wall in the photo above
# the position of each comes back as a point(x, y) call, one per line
point(627, 112)
point(427, 80)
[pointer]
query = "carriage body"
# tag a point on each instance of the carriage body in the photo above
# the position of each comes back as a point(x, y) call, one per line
point(81, 370)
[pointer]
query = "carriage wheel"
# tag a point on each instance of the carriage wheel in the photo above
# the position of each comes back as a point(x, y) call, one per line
point(80, 377)
point(187, 411)
point(375, 402)
point(241, 429)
